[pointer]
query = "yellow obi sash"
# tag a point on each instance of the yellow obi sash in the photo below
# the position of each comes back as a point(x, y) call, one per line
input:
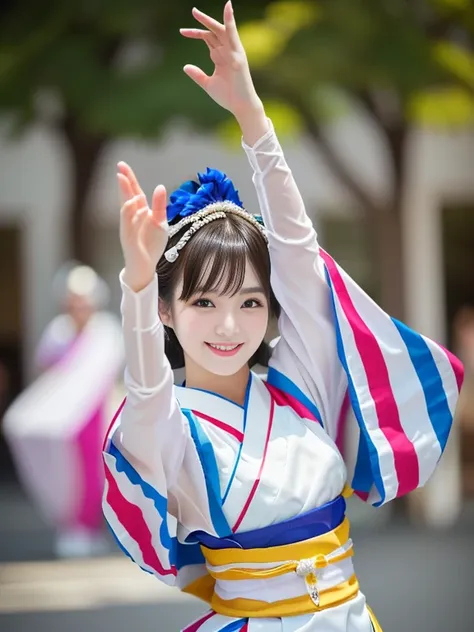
point(293, 579)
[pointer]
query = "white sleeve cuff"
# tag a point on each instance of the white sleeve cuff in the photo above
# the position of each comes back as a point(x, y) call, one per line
point(140, 308)
point(252, 151)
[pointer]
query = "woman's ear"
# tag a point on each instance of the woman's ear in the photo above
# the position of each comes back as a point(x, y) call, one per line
point(164, 311)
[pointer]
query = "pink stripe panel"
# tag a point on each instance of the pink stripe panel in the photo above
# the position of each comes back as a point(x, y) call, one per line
point(457, 367)
point(194, 627)
point(112, 423)
point(91, 475)
point(262, 463)
point(245, 627)
point(220, 424)
point(284, 399)
point(131, 518)
point(405, 457)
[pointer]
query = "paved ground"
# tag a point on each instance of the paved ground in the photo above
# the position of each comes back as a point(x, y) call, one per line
point(414, 579)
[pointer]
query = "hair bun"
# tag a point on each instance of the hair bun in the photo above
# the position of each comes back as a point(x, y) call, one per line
point(191, 197)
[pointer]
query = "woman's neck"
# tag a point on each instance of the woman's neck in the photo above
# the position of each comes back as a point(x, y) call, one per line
point(231, 387)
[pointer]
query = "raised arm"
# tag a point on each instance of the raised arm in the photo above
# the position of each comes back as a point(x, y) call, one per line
point(335, 339)
point(152, 430)
point(298, 280)
point(307, 324)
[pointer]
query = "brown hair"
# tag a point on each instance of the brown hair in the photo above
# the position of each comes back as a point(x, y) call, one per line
point(213, 260)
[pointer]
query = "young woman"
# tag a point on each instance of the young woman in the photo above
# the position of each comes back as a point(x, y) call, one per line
point(231, 487)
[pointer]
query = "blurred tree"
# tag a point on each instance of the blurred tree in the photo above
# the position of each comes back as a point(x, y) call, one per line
point(405, 63)
point(97, 70)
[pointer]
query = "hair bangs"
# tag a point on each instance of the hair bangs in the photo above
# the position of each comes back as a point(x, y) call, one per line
point(215, 260)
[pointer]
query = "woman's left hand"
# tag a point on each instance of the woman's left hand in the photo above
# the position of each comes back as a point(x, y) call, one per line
point(231, 84)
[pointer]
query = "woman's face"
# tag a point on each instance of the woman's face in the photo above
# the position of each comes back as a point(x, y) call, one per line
point(220, 333)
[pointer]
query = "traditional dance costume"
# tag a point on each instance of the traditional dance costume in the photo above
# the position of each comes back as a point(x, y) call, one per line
point(55, 428)
point(244, 506)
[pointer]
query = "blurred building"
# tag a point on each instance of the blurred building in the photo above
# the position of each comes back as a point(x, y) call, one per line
point(34, 198)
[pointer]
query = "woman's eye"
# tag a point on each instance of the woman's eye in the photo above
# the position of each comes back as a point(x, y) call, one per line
point(203, 302)
point(251, 302)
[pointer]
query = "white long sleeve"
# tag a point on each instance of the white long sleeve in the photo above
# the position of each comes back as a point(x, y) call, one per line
point(152, 425)
point(306, 324)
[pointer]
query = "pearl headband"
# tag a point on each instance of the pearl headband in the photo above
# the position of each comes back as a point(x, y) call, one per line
point(216, 210)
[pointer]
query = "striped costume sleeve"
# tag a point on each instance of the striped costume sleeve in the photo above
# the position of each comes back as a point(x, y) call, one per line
point(402, 392)
point(341, 359)
point(152, 466)
point(140, 511)
point(136, 509)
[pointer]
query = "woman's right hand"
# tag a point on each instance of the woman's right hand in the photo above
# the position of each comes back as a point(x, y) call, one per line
point(143, 231)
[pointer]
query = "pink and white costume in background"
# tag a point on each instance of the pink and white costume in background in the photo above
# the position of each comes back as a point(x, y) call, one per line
point(55, 428)
point(181, 461)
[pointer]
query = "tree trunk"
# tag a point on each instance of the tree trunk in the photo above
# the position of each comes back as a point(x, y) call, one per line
point(85, 152)
point(386, 229)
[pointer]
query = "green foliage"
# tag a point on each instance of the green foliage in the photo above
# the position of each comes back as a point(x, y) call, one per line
point(371, 49)
point(114, 66)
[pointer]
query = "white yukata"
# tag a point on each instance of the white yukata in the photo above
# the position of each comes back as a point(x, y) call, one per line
point(180, 461)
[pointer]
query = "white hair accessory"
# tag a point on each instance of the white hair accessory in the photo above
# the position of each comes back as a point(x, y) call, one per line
point(216, 210)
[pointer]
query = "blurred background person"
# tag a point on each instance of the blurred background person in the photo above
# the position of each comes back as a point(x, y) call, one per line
point(55, 428)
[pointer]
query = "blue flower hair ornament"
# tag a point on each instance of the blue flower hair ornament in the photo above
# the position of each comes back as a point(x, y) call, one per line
point(191, 197)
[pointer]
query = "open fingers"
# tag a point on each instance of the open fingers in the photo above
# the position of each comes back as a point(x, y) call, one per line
point(208, 37)
point(158, 206)
point(133, 205)
point(197, 75)
point(127, 171)
point(210, 23)
point(231, 27)
point(125, 187)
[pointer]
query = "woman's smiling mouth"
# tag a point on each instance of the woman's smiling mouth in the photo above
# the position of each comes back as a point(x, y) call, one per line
point(224, 349)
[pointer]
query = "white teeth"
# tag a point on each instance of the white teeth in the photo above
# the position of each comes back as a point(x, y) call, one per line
point(222, 348)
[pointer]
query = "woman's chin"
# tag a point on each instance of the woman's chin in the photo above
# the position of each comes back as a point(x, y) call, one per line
point(226, 367)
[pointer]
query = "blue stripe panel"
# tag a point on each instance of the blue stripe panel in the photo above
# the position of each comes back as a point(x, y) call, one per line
point(362, 480)
point(280, 381)
point(235, 626)
point(239, 452)
point(160, 502)
point(430, 379)
point(211, 474)
point(369, 468)
point(187, 554)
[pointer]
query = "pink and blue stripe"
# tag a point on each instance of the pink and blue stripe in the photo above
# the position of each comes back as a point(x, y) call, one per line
point(386, 426)
point(211, 473)
point(292, 396)
point(131, 517)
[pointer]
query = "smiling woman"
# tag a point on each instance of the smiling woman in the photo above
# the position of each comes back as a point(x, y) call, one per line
point(225, 268)
point(231, 487)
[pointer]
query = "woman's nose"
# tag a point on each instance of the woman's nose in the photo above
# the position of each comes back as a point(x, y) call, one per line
point(227, 325)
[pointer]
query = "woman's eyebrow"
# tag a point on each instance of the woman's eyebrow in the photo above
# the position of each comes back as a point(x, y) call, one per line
point(252, 290)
